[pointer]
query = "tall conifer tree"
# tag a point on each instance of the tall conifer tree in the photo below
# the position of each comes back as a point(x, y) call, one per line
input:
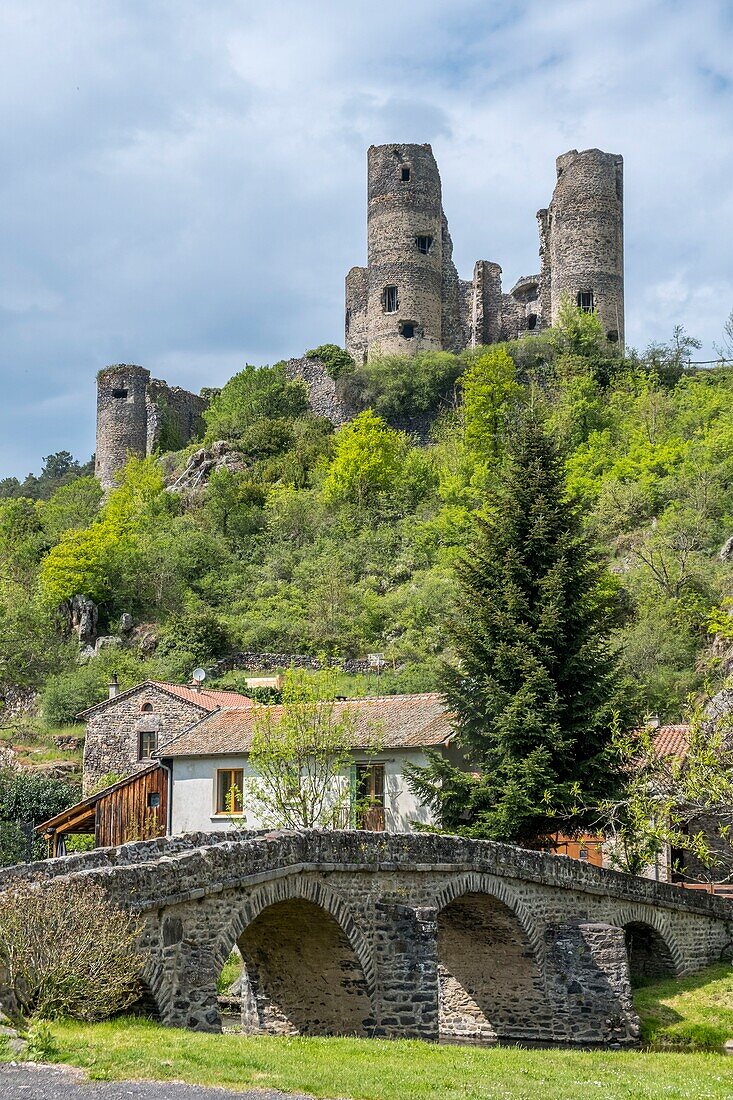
point(535, 686)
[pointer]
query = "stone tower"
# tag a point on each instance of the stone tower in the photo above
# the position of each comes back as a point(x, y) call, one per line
point(395, 304)
point(122, 419)
point(138, 415)
point(582, 239)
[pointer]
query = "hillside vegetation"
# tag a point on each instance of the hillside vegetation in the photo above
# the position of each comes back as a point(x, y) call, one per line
point(343, 542)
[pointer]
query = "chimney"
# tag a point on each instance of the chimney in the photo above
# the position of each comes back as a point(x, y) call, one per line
point(114, 686)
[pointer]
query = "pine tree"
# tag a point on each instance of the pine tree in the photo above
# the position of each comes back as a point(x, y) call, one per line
point(534, 687)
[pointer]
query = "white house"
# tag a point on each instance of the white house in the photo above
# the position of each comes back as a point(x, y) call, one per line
point(208, 762)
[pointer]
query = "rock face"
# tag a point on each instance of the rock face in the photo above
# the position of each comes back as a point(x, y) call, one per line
point(203, 463)
point(726, 552)
point(83, 617)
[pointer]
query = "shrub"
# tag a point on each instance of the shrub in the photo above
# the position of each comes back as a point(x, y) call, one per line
point(66, 951)
point(28, 797)
point(199, 635)
point(336, 361)
point(400, 387)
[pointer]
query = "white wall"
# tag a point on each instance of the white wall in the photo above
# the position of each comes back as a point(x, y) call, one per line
point(194, 792)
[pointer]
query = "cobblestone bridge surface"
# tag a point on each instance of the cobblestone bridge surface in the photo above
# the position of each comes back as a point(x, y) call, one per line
point(421, 936)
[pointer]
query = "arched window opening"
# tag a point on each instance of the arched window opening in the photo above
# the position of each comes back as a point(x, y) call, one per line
point(649, 956)
point(147, 708)
point(490, 981)
point(390, 299)
point(300, 974)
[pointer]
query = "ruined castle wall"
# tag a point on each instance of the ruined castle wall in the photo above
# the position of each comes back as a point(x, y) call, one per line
point(121, 419)
point(174, 416)
point(486, 304)
point(323, 395)
point(454, 330)
point(585, 235)
point(404, 204)
point(356, 334)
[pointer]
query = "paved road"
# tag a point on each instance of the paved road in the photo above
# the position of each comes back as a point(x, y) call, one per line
point(58, 1083)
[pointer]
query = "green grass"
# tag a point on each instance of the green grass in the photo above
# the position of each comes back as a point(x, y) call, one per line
point(693, 1013)
point(362, 1069)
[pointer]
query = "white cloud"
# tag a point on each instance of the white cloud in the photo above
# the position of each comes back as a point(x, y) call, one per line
point(184, 184)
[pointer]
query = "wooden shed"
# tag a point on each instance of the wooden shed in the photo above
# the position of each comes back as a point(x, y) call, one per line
point(136, 808)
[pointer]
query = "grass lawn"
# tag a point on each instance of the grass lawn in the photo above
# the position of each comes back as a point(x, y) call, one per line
point(363, 1069)
point(696, 1014)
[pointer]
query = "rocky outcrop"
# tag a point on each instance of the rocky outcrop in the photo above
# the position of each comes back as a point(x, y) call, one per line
point(82, 616)
point(203, 463)
point(726, 551)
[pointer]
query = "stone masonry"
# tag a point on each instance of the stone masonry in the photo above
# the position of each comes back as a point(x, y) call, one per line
point(398, 936)
point(409, 297)
point(114, 730)
point(137, 415)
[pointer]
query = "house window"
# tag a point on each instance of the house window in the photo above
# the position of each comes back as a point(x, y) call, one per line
point(424, 244)
point(368, 797)
point(405, 175)
point(407, 329)
point(147, 708)
point(119, 393)
point(585, 301)
point(154, 800)
point(229, 786)
point(532, 321)
point(390, 299)
point(147, 744)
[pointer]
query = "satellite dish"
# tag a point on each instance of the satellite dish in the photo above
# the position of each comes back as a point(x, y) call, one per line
point(199, 675)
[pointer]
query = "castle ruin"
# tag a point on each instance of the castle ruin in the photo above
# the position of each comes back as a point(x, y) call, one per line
point(137, 415)
point(409, 297)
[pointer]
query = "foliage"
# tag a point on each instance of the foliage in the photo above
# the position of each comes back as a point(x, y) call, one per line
point(301, 755)
point(401, 388)
point(490, 391)
point(336, 361)
point(27, 798)
point(367, 461)
point(254, 397)
point(668, 801)
point(534, 685)
point(66, 950)
point(385, 1069)
point(58, 470)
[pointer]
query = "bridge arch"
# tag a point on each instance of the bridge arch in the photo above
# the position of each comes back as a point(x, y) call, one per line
point(307, 965)
point(651, 946)
point(491, 965)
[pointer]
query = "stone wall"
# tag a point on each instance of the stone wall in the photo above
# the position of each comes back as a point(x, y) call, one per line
point(136, 415)
point(403, 935)
point(323, 395)
point(272, 662)
point(113, 731)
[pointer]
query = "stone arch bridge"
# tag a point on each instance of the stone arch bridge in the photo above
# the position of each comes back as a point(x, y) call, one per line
point(414, 936)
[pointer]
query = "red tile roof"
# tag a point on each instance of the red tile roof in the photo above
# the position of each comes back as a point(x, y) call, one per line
point(206, 700)
point(672, 741)
point(397, 722)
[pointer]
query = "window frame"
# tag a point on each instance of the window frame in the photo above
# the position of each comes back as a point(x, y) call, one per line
point(143, 736)
point(579, 300)
point(220, 809)
point(390, 294)
point(429, 246)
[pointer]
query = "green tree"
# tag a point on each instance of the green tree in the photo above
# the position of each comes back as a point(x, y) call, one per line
point(254, 395)
point(25, 799)
point(336, 361)
point(490, 391)
point(534, 687)
point(367, 461)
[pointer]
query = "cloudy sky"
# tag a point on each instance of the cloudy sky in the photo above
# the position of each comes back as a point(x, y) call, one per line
point(183, 181)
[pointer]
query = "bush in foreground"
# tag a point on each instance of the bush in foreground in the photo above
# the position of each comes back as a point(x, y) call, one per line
point(66, 951)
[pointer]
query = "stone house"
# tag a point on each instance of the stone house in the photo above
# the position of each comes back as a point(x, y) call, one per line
point(210, 773)
point(124, 730)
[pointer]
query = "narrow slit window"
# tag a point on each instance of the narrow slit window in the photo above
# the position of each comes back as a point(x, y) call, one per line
point(405, 175)
point(424, 245)
point(390, 299)
point(585, 301)
point(148, 743)
point(229, 793)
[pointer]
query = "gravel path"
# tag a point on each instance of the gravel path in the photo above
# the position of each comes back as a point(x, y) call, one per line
point(29, 1082)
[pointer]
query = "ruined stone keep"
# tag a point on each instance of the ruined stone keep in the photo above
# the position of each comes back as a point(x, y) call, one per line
point(137, 414)
point(409, 297)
